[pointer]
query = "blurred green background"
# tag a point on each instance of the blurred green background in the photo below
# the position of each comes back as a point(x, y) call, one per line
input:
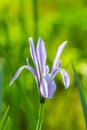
point(55, 21)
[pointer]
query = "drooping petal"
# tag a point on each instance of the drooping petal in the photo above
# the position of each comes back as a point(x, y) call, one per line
point(19, 71)
point(66, 78)
point(41, 53)
point(33, 55)
point(60, 49)
point(47, 86)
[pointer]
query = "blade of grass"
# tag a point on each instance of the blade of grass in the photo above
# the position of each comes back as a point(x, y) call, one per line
point(82, 98)
point(1, 82)
point(6, 127)
point(30, 117)
point(4, 118)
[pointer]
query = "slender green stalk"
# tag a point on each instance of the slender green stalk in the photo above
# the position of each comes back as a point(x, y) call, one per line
point(40, 117)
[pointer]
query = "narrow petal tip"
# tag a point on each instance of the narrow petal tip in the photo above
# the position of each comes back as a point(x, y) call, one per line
point(29, 39)
point(58, 54)
point(65, 42)
point(67, 83)
point(66, 78)
point(10, 84)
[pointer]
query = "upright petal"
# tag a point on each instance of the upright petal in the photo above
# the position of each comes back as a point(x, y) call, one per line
point(33, 55)
point(56, 70)
point(66, 78)
point(47, 86)
point(32, 51)
point(60, 49)
point(41, 53)
point(46, 70)
point(19, 71)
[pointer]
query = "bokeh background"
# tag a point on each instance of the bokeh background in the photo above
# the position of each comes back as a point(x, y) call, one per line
point(55, 21)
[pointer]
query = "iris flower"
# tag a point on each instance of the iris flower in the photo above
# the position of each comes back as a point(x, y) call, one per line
point(44, 79)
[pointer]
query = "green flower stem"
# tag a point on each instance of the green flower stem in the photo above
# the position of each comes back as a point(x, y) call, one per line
point(40, 117)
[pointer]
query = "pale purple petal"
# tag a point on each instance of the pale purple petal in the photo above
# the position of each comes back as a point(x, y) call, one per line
point(41, 53)
point(46, 70)
point(60, 49)
point(32, 51)
point(33, 55)
point(66, 78)
point(19, 71)
point(47, 86)
point(56, 70)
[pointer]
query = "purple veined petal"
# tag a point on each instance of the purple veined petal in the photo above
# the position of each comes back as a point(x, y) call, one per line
point(33, 55)
point(47, 86)
point(41, 54)
point(60, 49)
point(32, 51)
point(19, 71)
point(46, 70)
point(66, 78)
point(56, 70)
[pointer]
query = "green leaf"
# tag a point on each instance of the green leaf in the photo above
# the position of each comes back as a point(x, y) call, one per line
point(83, 101)
point(7, 124)
point(4, 118)
point(30, 115)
